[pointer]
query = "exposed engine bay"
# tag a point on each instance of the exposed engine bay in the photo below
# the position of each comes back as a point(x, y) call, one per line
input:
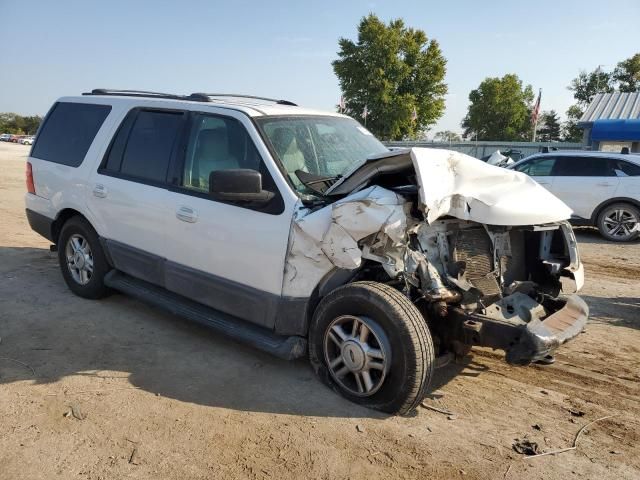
point(480, 250)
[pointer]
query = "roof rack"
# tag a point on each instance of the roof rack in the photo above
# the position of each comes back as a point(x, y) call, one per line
point(147, 94)
point(252, 97)
point(194, 97)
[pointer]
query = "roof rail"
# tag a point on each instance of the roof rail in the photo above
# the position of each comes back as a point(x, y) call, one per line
point(143, 93)
point(252, 97)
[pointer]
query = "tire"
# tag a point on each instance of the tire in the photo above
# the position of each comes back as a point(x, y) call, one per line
point(77, 231)
point(399, 345)
point(619, 222)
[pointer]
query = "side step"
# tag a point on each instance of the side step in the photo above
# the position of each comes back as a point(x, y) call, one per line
point(286, 348)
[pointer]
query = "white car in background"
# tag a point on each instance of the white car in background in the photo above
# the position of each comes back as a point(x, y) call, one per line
point(602, 189)
point(26, 140)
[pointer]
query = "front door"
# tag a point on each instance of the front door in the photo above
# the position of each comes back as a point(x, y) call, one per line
point(225, 255)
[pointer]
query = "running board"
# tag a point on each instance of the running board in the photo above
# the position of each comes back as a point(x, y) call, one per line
point(287, 348)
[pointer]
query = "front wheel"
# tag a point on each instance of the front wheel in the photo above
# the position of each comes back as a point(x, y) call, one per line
point(619, 222)
point(372, 345)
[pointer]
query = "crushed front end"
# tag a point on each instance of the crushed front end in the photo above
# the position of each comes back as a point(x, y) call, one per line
point(485, 253)
point(496, 286)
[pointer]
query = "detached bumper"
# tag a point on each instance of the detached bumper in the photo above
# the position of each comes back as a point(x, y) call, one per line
point(525, 342)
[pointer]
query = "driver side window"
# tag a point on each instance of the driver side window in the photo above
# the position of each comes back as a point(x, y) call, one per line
point(216, 143)
point(538, 167)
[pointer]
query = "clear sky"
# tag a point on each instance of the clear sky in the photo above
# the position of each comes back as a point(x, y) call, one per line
point(284, 49)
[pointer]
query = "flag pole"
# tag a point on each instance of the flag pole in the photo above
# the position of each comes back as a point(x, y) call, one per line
point(535, 114)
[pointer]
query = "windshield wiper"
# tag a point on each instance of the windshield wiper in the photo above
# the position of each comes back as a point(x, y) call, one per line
point(316, 183)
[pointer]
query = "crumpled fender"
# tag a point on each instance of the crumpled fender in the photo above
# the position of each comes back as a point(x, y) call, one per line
point(328, 238)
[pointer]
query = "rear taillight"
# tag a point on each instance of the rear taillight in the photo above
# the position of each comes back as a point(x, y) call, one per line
point(30, 186)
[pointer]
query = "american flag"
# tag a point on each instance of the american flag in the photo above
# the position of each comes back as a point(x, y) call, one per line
point(414, 115)
point(365, 112)
point(536, 109)
point(341, 104)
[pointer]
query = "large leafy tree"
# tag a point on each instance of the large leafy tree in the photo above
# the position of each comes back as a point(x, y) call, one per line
point(393, 71)
point(549, 129)
point(586, 85)
point(627, 74)
point(500, 109)
point(570, 130)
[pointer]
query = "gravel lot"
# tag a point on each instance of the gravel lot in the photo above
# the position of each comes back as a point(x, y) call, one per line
point(113, 389)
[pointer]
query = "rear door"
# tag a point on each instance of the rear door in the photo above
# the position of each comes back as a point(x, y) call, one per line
point(128, 193)
point(584, 182)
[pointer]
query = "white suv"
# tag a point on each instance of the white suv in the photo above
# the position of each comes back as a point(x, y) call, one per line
point(602, 189)
point(297, 231)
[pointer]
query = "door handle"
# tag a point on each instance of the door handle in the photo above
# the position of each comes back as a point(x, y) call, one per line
point(99, 191)
point(187, 214)
point(604, 184)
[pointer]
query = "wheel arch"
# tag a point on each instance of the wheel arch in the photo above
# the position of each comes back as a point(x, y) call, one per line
point(611, 201)
point(62, 217)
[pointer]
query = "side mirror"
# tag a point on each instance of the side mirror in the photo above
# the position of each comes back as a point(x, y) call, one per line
point(238, 185)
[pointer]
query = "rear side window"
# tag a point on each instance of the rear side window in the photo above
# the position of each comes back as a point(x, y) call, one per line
point(68, 131)
point(144, 145)
point(583, 167)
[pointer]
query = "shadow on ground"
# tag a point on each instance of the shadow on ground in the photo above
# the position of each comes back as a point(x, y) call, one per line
point(44, 325)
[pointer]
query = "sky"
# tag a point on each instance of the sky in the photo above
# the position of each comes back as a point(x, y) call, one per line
point(284, 49)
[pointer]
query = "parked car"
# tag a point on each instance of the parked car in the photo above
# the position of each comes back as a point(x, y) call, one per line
point(5, 137)
point(297, 231)
point(14, 138)
point(602, 189)
point(28, 140)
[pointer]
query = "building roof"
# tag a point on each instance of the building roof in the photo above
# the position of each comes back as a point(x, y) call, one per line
point(612, 106)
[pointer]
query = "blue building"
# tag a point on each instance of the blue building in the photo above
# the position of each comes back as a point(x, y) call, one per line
point(612, 122)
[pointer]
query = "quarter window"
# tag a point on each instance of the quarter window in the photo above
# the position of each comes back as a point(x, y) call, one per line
point(68, 131)
point(626, 169)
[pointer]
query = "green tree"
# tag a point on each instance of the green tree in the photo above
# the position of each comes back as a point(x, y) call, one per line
point(392, 71)
point(500, 109)
point(570, 130)
point(586, 85)
point(447, 136)
point(19, 125)
point(549, 129)
point(627, 74)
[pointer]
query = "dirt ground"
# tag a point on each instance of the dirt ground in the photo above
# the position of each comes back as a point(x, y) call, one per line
point(113, 389)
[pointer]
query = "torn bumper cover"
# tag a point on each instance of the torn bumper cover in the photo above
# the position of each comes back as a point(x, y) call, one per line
point(524, 342)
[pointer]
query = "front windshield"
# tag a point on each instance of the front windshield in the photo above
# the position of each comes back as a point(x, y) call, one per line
point(320, 145)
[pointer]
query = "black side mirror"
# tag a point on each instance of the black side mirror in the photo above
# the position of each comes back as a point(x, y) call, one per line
point(238, 185)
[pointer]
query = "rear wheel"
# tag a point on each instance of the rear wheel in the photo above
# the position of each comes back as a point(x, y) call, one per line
point(619, 222)
point(372, 345)
point(82, 260)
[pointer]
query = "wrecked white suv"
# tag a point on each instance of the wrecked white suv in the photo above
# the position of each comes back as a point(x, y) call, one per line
point(297, 231)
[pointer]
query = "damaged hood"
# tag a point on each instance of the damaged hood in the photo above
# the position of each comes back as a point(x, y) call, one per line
point(452, 183)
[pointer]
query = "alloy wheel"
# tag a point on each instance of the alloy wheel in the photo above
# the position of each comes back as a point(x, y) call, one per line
point(79, 259)
point(357, 353)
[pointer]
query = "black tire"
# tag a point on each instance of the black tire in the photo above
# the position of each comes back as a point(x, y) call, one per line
point(412, 354)
point(604, 220)
point(95, 288)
